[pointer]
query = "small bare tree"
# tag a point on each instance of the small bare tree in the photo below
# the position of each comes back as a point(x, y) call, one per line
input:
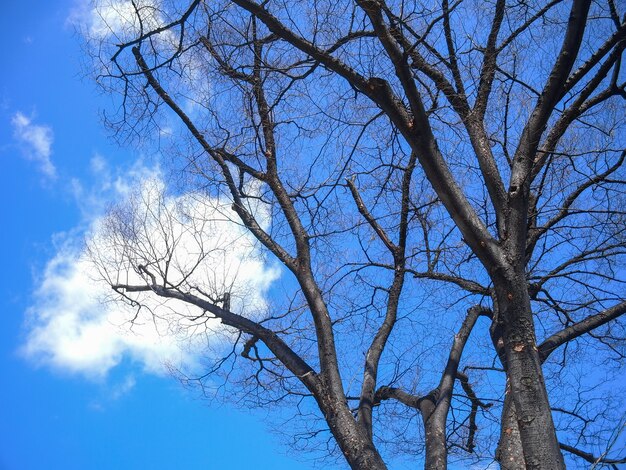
point(421, 168)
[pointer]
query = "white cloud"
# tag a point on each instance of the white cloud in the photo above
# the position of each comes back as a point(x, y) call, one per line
point(121, 18)
point(110, 186)
point(112, 393)
point(123, 388)
point(76, 324)
point(107, 24)
point(37, 142)
point(117, 20)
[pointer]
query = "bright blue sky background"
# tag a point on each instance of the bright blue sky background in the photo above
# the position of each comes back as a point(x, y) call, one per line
point(51, 418)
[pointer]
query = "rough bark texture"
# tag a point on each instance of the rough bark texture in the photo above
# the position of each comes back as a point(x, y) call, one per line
point(509, 453)
point(356, 446)
point(436, 446)
point(527, 385)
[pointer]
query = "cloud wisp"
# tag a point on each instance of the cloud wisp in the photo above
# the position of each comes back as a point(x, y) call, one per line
point(117, 21)
point(77, 323)
point(36, 141)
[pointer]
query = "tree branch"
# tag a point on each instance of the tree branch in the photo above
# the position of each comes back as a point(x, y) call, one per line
point(552, 92)
point(475, 404)
point(550, 344)
point(588, 456)
point(294, 363)
point(238, 205)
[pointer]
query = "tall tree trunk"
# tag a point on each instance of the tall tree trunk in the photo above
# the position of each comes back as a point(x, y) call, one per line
point(436, 448)
point(355, 444)
point(509, 453)
point(435, 434)
point(525, 377)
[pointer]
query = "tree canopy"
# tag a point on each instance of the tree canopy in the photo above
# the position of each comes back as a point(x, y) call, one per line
point(442, 184)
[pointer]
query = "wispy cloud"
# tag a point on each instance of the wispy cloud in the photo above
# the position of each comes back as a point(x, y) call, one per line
point(76, 325)
point(121, 389)
point(115, 19)
point(113, 393)
point(106, 24)
point(36, 141)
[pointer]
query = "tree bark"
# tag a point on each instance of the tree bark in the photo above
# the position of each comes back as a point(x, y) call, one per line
point(436, 405)
point(525, 376)
point(436, 445)
point(436, 448)
point(509, 452)
point(355, 444)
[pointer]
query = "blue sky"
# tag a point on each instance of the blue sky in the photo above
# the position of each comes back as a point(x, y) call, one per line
point(60, 406)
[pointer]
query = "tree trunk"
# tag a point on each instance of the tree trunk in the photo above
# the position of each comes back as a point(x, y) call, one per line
point(435, 434)
point(353, 441)
point(509, 453)
point(436, 449)
point(527, 385)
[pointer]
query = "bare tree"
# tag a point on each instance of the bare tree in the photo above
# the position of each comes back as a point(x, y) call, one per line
point(428, 169)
